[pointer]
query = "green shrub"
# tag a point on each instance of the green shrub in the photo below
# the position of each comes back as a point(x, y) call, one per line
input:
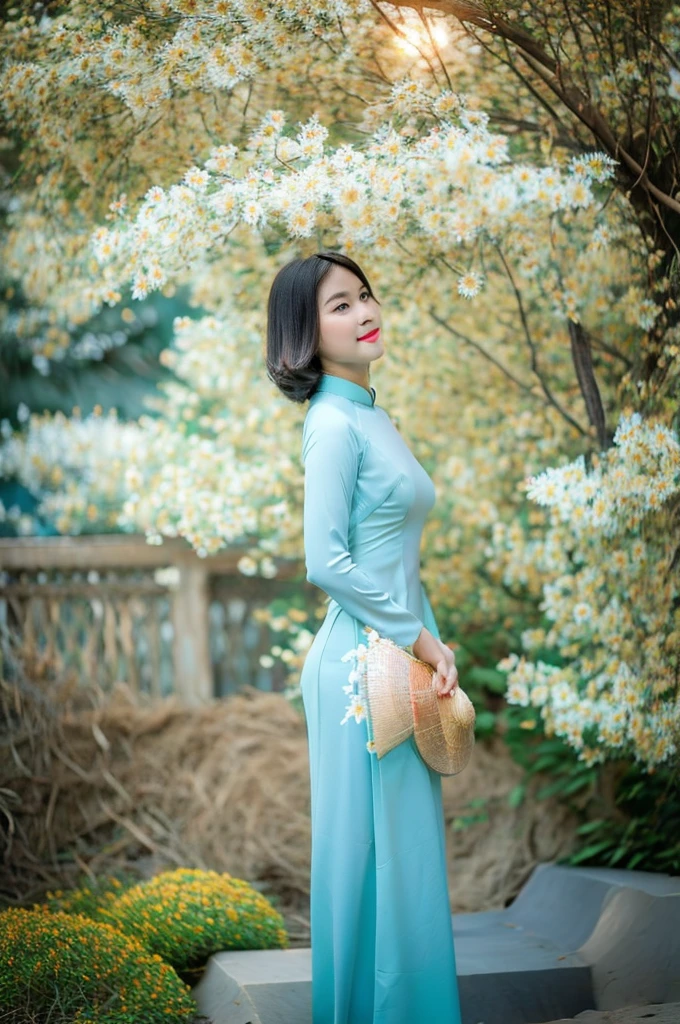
point(89, 897)
point(187, 915)
point(637, 825)
point(646, 836)
point(54, 961)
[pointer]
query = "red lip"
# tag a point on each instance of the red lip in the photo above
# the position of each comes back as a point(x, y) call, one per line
point(371, 336)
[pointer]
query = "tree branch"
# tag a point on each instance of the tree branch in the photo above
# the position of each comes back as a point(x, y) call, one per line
point(583, 364)
point(552, 74)
point(534, 352)
point(484, 352)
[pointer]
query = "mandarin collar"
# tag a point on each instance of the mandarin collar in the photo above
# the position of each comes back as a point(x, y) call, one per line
point(346, 388)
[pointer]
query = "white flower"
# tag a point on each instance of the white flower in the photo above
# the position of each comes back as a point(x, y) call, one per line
point(674, 88)
point(197, 178)
point(562, 695)
point(469, 284)
point(356, 707)
point(140, 288)
point(518, 693)
point(508, 663)
point(288, 149)
point(582, 611)
point(539, 695)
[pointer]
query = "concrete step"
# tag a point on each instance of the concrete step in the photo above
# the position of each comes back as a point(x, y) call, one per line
point(574, 939)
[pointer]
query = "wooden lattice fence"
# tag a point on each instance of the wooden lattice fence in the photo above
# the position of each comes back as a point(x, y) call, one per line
point(157, 617)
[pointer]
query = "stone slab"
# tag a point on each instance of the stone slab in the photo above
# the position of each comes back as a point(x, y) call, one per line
point(634, 951)
point(257, 986)
point(566, 903)
point(574, 940)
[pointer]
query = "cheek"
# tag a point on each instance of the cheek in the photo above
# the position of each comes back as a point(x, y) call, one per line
point(336, 333)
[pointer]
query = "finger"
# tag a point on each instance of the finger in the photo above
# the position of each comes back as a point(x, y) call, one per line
point(451, 682)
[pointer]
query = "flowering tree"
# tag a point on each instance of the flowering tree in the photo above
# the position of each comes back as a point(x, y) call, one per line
point(528, 277)
point(608, 564)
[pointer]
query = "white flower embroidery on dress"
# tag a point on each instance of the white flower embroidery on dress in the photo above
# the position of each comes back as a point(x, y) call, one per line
point(355, 688)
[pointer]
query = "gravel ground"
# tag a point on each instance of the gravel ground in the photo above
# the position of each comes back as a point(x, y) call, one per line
point(653, 1013)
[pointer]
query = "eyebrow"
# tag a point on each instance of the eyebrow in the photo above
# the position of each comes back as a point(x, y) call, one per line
point(343, 295)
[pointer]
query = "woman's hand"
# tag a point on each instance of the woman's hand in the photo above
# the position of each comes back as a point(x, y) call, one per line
point(432, 651)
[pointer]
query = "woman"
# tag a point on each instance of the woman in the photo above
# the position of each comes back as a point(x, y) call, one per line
point(382, 942)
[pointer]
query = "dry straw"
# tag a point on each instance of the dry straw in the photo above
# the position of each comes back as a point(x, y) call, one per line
point(221, 787)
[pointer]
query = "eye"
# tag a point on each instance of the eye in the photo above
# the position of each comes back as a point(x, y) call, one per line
point(344, 303)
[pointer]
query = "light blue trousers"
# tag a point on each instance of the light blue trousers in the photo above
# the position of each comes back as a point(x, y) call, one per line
point(381, 933)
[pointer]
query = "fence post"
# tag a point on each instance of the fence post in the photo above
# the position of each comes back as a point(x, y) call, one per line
point(193, 679)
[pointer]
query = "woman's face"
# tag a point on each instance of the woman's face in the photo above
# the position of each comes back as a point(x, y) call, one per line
point(347, 313)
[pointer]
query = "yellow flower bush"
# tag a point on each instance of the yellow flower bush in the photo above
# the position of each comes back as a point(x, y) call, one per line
point(187, 915)
point(94, 970)
point(89, 897)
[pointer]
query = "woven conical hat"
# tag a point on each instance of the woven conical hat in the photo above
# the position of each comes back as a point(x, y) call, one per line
point(444, 727)
point(388, 695)
point(401, 701)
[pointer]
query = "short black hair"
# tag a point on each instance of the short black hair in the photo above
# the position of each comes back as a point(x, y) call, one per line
point(293, 362)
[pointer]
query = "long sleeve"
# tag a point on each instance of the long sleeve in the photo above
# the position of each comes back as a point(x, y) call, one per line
point(331, 453)
point(428, 614)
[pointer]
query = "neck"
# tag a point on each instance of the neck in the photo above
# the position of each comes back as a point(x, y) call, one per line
point(359, 377)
